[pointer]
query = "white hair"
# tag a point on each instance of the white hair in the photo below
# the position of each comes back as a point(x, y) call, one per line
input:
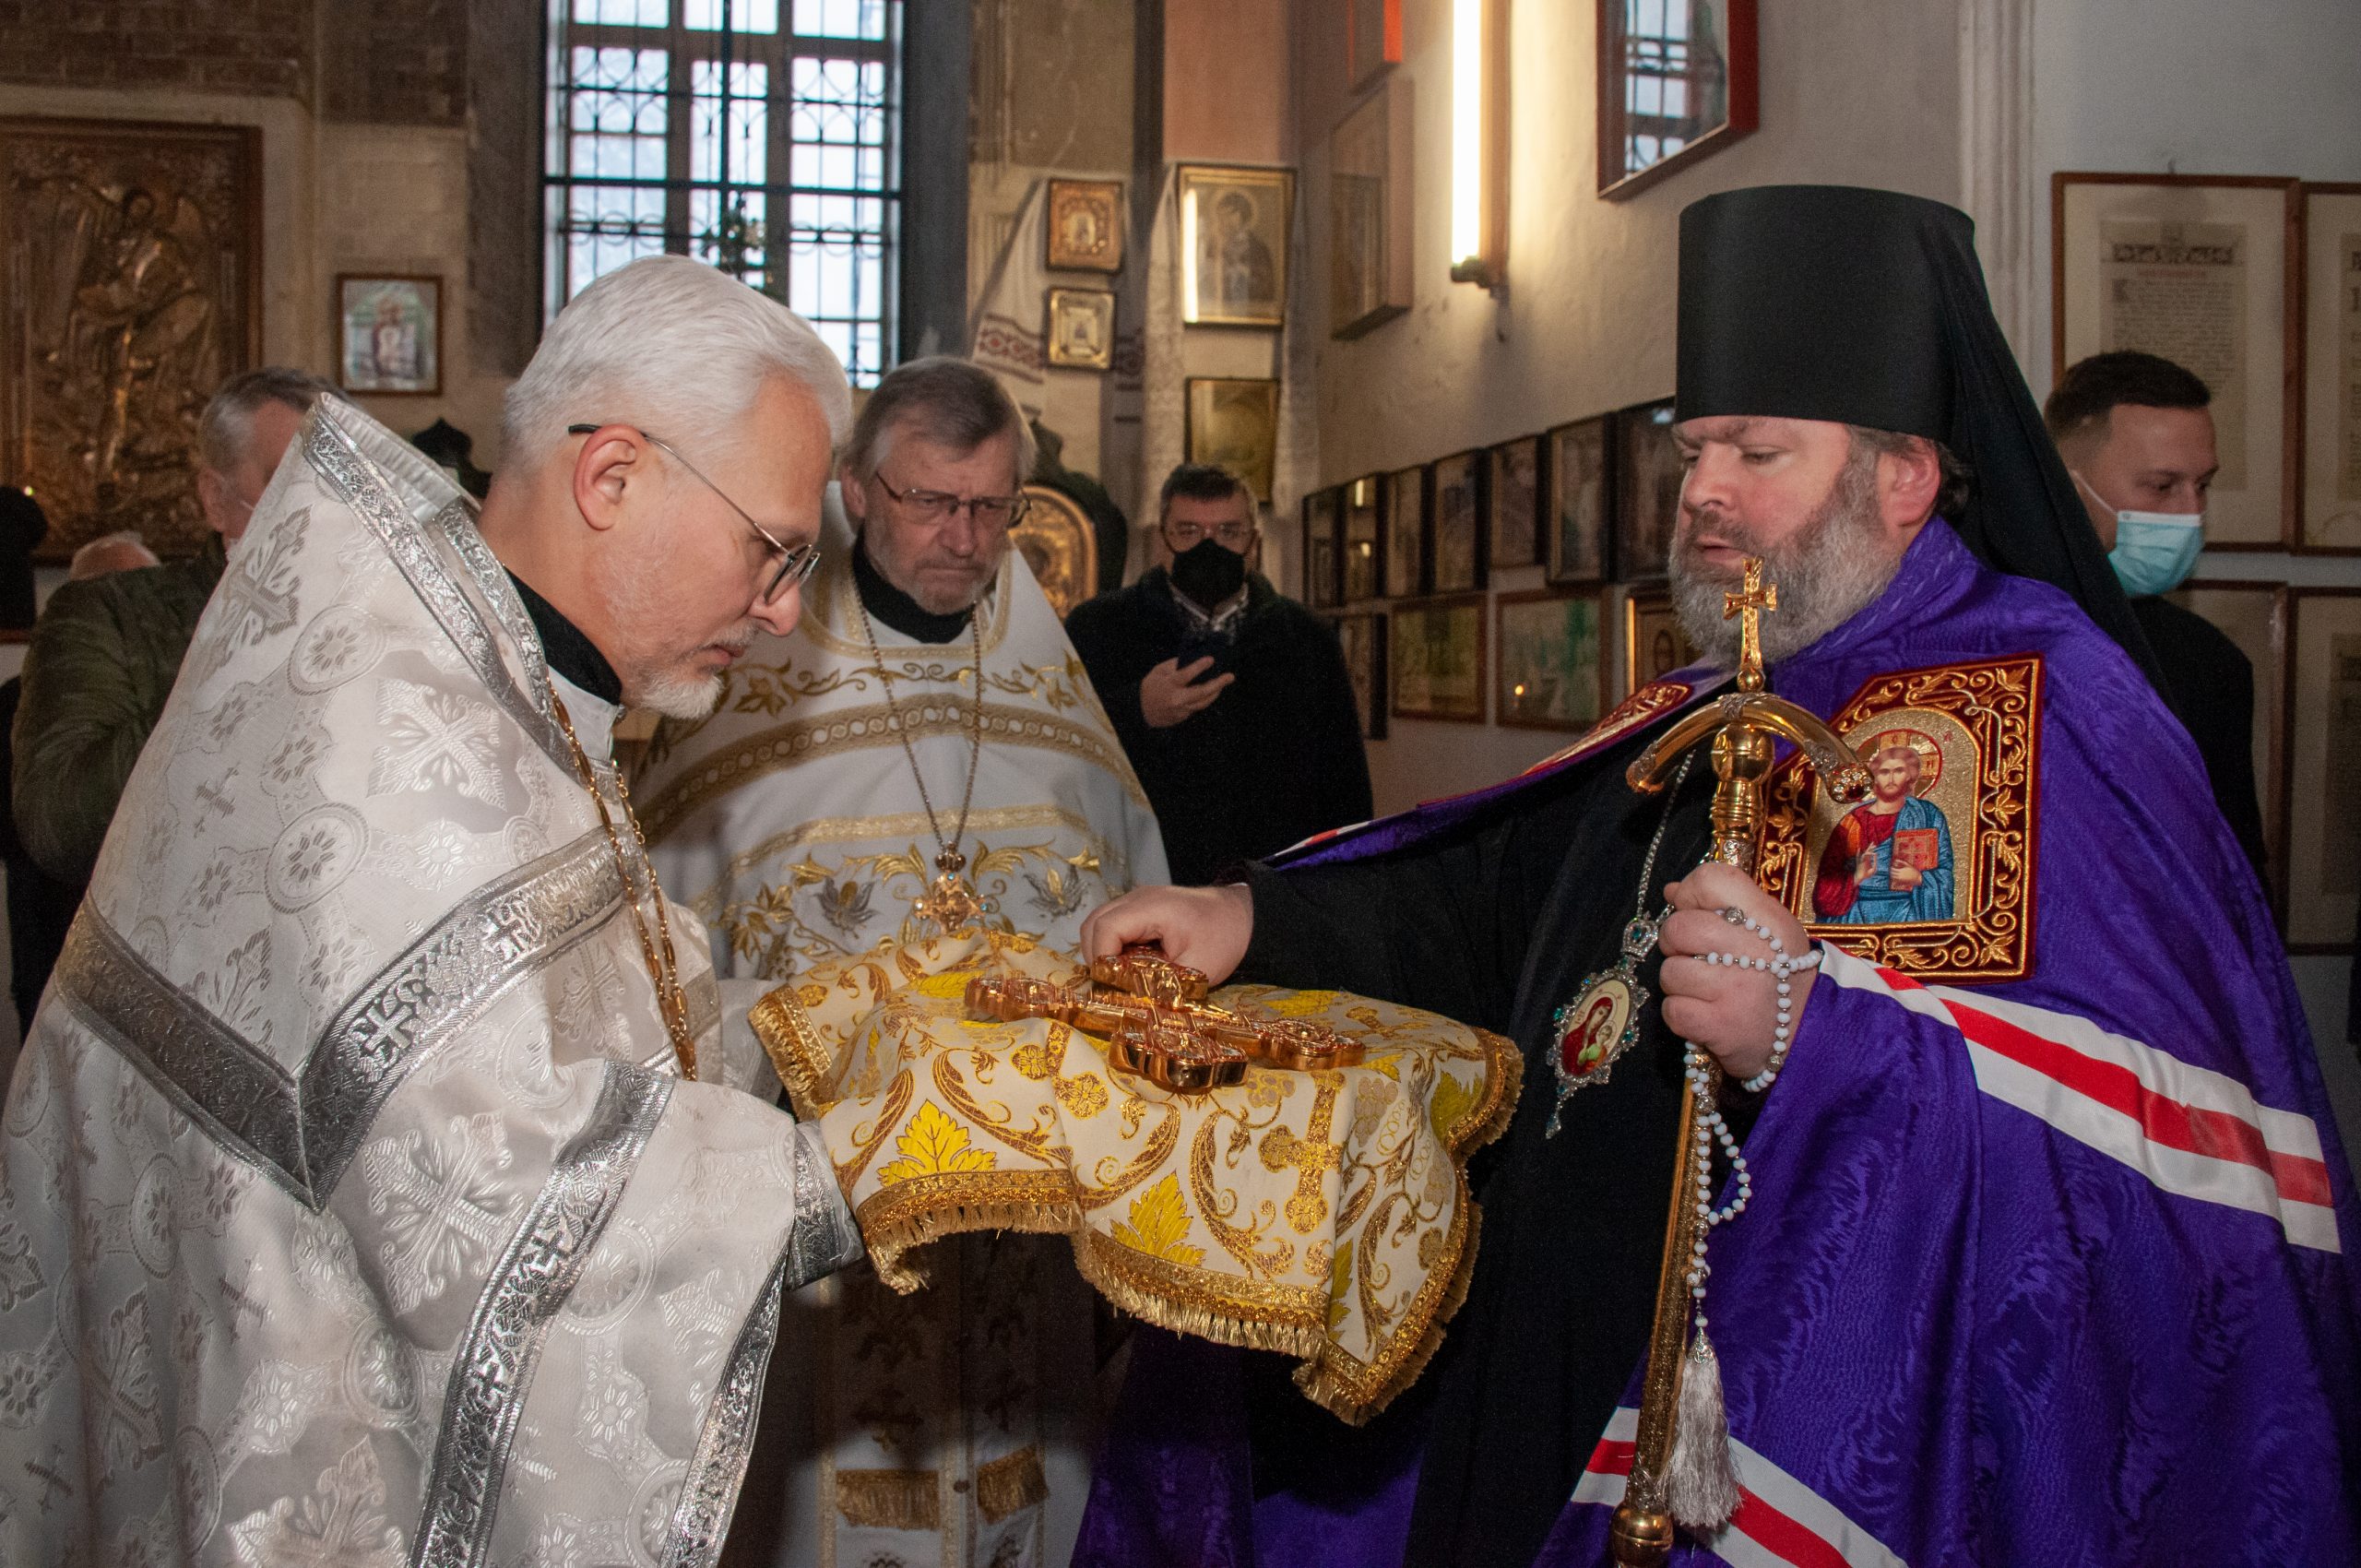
point(672, 345)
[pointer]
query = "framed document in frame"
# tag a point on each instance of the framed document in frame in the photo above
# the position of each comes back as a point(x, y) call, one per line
point(1235, 423)
point(2329, 517)
point(2321, 797)
point(1437, 657)
point(1369, 252)
point(1363, 539)
point(1406, 533)
point(1580, 500)
point(1648, 480)
point(1551, 659)
point(1458, 506)
point(1512, 503)
point(2203, 270)
point(1362, 635)
point(1653, 643)
point(1084, 230)
point(1322, 511)
point(2254, 616)
point(390, 334)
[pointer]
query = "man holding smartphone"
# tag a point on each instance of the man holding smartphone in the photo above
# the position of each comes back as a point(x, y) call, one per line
point(1232, 699)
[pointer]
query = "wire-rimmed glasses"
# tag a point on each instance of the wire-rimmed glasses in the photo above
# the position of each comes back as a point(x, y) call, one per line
point(796, 562)
point(933, 507)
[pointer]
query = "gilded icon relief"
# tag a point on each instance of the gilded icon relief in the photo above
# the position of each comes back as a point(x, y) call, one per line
point(128, 293)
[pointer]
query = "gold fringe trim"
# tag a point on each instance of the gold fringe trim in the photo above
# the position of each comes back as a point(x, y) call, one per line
point(1202, 1314)
point(801, 1061)
point(926, 1208)
point(1252, 1315)
point(1353, 1391)
point(1503, 1085)
point(890, 1499)
point(1011, 1482)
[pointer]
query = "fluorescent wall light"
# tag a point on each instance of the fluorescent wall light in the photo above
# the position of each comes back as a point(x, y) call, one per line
point(1479, 141)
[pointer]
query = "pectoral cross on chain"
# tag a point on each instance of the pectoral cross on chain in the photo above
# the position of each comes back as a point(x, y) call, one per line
point(1749, 604)
point(1158, 1025)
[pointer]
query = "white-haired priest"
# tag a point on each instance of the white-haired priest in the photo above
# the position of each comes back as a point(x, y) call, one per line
point(377, 1187)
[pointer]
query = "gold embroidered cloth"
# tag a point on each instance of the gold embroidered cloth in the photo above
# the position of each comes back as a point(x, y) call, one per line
point(1325, 1215)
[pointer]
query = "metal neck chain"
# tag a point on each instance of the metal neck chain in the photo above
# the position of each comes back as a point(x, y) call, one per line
point(663, 967)
point(947, 849)
point(1640, 936)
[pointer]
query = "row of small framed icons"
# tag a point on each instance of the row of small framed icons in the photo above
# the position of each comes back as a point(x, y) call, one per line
point(1594, 500)
point(2305, 643)
point(1546, 664)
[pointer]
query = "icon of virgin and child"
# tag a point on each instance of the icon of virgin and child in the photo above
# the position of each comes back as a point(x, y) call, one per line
point(1888, 859)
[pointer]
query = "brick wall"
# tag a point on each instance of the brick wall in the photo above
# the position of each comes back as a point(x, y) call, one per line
point(248, 46)
point(396, 62)
point(386, 61)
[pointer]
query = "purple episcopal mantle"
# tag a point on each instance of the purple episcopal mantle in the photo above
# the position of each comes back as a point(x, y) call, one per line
point(2058, 1270)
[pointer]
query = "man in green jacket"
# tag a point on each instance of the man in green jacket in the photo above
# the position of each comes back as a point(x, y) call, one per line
point(105, 652)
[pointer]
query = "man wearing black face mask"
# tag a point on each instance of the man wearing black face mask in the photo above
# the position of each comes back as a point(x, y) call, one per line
point(1232, 701)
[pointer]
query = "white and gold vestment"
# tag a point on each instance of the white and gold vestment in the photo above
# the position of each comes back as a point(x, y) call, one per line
point(949, 1428)
point(353, 1208)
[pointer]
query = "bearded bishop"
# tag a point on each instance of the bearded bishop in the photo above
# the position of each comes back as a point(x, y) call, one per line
point(923, 756)
point(377, 1183)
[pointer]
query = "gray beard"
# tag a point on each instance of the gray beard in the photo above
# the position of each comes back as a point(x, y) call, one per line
point(1827, 573)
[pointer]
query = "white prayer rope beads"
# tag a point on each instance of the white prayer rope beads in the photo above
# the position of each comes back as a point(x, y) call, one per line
point(1712, 1129)
point(1782, 969)
point(1702, 1484)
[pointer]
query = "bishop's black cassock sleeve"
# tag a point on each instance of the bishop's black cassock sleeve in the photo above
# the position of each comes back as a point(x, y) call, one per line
point(1443, 925)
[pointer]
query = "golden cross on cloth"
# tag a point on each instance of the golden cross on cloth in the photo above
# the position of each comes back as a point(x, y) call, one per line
point(1158, 1025)
point(1749, 603)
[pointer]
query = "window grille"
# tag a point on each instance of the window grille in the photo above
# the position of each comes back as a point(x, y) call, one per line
point(761, 135)
point(1676, 79)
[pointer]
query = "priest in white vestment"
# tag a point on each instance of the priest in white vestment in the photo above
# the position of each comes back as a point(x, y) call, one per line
point(850, 792)
point(380, 1182)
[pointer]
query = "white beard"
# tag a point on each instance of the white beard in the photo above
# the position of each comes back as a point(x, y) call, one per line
point(681, 697)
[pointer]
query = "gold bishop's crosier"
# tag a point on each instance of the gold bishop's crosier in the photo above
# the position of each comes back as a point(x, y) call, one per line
point(1744, 725)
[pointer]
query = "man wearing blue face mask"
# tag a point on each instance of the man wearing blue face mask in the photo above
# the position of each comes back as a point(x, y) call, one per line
point(2137, 436)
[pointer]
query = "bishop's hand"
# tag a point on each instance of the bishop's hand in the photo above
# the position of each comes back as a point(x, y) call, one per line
point(1205, 929)
point(1727, 1010)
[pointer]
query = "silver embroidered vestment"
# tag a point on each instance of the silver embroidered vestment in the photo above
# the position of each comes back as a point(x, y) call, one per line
point(351, 1209)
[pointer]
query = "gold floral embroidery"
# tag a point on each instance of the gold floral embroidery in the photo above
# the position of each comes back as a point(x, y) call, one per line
point(935, 1144)
point(1452, 1102)
point(825, 908)
point(1159, 1221)
point(1084, 1095)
